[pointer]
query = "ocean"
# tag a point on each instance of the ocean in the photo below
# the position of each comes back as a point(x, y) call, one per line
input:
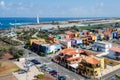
point(6, 23)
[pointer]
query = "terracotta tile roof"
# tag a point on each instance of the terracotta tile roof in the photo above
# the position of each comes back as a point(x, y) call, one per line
point(91, 60)
point(71, 59)
point(107, 33)
point(117, 49)
point(68, 51)
point(82, 51)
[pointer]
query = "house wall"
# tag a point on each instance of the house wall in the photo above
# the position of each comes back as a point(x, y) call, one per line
point(101, 47)
point(111, 54)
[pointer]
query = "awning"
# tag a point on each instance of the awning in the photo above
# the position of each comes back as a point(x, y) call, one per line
point(75, 66)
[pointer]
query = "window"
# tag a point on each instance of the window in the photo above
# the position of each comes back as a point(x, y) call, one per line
point(95, 71)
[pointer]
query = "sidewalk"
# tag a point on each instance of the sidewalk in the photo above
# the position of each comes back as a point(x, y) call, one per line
point(26, 76)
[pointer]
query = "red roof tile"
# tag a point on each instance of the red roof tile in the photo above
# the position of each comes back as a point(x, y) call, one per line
point(117, 49)
point(78, 58)
point(91, 60)
point(68, 51)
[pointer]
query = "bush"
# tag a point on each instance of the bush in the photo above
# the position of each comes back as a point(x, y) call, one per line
point(16, 53)
point(40, 76)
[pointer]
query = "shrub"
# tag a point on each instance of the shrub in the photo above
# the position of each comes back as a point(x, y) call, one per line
point(40, 76)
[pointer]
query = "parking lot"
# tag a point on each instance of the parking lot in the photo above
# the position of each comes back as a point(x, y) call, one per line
point(60, 69)
point(26, 75)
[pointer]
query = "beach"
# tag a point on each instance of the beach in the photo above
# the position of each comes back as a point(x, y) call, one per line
point(67, 24)
point(63, 24)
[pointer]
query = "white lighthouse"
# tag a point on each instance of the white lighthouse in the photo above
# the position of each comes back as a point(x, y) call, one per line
point(38, 19)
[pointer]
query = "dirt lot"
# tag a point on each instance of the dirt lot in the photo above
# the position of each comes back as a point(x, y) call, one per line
point(111, 62)
point(7, 67)
point(11, 77)
point(7, 56)
point(48, 77)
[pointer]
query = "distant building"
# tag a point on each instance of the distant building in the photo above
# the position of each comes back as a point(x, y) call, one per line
point(45, 47)
point(36, 40)
point(101, 46)
point(11, 34)
point(114, 53)
point(66, 43)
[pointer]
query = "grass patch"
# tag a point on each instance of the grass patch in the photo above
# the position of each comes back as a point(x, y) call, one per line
point(7, 68)
point(111, 62)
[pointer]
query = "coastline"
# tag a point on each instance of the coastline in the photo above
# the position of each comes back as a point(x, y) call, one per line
point(62, 24)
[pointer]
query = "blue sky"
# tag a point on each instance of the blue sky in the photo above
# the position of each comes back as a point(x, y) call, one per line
point(60, 8)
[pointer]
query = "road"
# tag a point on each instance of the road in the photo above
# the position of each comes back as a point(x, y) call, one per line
point(61, 70)
point(110, 76)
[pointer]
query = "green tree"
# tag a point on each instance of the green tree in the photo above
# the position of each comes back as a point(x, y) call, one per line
point(16, 53)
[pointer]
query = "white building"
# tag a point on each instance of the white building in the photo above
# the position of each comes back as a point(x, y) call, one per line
point(101, 46)
point(11, 34)
point(114, 53)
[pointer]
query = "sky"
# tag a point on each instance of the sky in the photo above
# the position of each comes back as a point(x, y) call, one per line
point(60, 8)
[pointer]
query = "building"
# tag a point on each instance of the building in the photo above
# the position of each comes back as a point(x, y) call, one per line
point(36, 40)
point(11, 34)
point(91, 66)
point(69, 58)
point(101, 46)
point(66, 43)
point(80, 62)
point(114, 53)
point(69, 34)
point(76, 41)
point(45, 48)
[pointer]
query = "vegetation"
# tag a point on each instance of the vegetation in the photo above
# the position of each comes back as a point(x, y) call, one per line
point(26, 35)
point(10, 41)
point(40, 76)
point(16, 53)
point(94, 27)
point(4, 48)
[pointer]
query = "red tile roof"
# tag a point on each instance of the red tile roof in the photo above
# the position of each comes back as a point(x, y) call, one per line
point(76, 58)
point(117, 49)
point(69, 51)
point(91, 60)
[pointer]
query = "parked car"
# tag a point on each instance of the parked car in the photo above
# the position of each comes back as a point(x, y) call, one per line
point(35, 61)
point(21, 71)
point(48, 69)
point(53, 72)
point(44, 68)
point(61, 77)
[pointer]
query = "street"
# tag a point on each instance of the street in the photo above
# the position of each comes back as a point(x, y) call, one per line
point(61, 70)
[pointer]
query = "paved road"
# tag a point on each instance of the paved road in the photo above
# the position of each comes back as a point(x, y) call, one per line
point(69, 74)
point(110, 76)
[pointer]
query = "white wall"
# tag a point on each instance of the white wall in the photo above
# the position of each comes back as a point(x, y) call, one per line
point(52, 48)
point(69, 44)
